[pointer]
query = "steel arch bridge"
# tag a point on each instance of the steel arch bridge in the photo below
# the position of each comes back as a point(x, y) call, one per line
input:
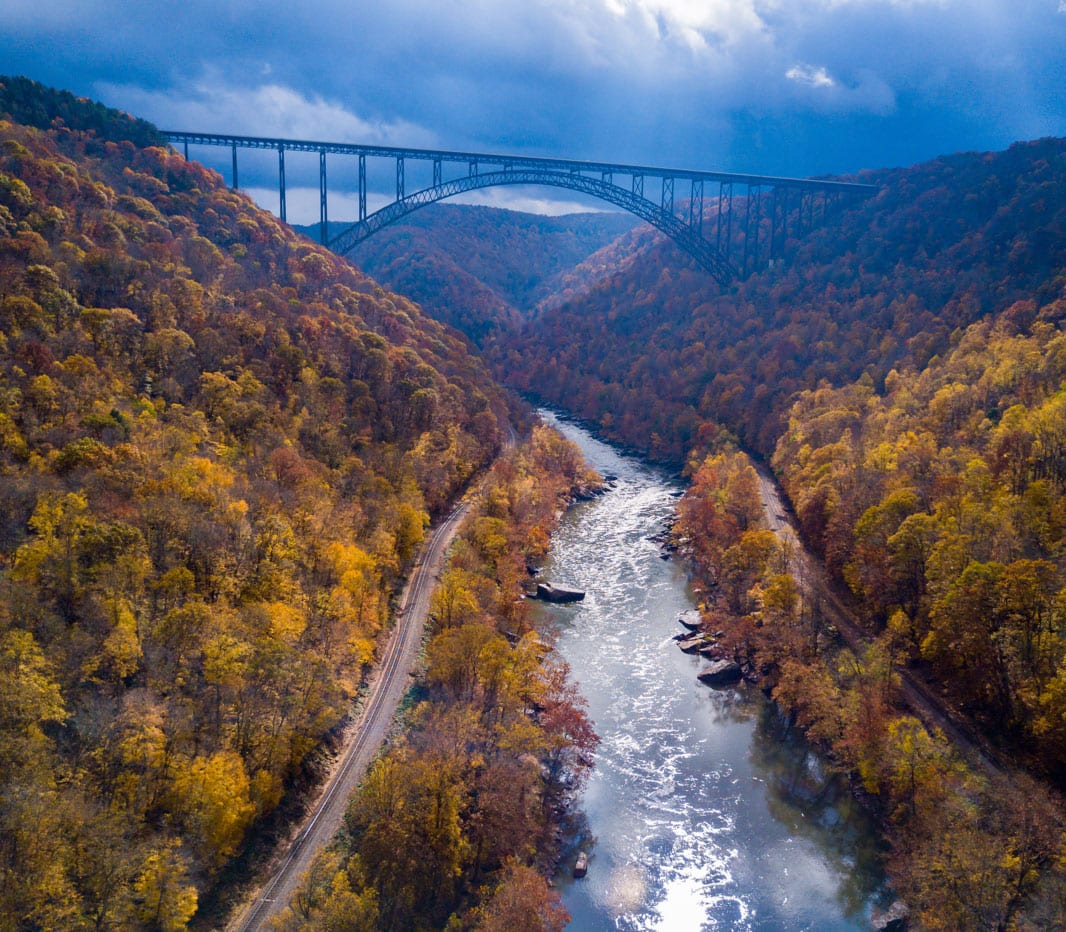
point(730, 233)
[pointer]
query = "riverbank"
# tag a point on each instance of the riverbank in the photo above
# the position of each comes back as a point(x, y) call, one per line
point(972, 847)
point(459, 821)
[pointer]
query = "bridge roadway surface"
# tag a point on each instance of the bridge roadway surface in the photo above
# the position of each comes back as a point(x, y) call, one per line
point(387, 688)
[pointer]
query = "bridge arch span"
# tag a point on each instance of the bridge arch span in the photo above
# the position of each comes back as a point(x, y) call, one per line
point(784, 205)
point(685, 235)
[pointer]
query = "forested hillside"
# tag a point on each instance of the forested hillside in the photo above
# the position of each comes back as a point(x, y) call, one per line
point(906, 367)
point(655, 353)
point(220, 445)
point(480, 269)
point(457, 825)
point(941, 501)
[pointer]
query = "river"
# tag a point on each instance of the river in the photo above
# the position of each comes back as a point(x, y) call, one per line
point(706, 812)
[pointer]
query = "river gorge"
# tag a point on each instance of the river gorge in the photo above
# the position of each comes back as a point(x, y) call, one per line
point(705, 811)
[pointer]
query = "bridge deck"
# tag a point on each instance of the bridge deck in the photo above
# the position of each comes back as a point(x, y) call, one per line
point(517, 161)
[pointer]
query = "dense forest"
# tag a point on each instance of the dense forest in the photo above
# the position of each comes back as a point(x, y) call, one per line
point(973, 845)
point(481, 269)
point(883, 284)
point(904, 371)
point(455, 827)
point(220, 446)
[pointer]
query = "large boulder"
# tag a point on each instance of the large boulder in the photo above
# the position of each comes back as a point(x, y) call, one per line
point(550, 593)
point(690, 619)
point(720, 673)
point(693, 643)
point(892, 919)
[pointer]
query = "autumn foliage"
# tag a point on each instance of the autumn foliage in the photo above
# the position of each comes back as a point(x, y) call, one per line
point(220, 446)
point(654, 351)
point(456, 825)
point(942, 509)
point(481, 269)
point(971, 847)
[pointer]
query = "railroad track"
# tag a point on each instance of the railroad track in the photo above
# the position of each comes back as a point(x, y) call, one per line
point(386, 690)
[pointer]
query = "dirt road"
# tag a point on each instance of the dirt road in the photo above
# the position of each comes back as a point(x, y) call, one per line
point(364, 737)
point(814, 583)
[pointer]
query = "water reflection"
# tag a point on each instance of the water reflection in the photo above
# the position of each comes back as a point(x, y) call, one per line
point(815, 802)
point(706, 812)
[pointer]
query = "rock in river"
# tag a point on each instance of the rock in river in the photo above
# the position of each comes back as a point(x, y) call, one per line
point(891, 919)
point(720, 673)
point(690, 619)
point(549, 593)
point(692, 644)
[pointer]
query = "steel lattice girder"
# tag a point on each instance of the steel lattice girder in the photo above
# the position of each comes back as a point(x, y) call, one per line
point(487, 170)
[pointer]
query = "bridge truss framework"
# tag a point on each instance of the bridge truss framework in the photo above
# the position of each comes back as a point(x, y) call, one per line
point(731, 223)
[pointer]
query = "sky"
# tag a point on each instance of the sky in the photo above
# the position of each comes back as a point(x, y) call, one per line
point(783, 87)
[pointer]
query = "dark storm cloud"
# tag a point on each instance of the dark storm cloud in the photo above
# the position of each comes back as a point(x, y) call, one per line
point(755, 85)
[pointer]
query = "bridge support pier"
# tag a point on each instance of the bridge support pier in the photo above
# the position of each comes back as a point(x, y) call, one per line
point(362, 187)
point(323, 212)
point(695, 206)
point(281, 182)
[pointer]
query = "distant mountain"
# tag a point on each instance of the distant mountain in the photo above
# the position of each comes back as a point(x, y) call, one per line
point(480, 268)
point(884, 284)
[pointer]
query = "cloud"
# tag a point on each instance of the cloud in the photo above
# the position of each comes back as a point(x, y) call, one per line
point(262, 110)
point(698, 24)
point(529, 202)
point(770, 86)
point(810, 75)
point(866, 93)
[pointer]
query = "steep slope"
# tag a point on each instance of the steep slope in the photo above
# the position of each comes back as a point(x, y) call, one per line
point(941, 500)
point(659, 350)
point(219, 447)
point(482, 269)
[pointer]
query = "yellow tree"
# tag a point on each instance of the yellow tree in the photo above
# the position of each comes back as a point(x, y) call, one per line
point(211, 797)
point(454, 601)
point(167, 900)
